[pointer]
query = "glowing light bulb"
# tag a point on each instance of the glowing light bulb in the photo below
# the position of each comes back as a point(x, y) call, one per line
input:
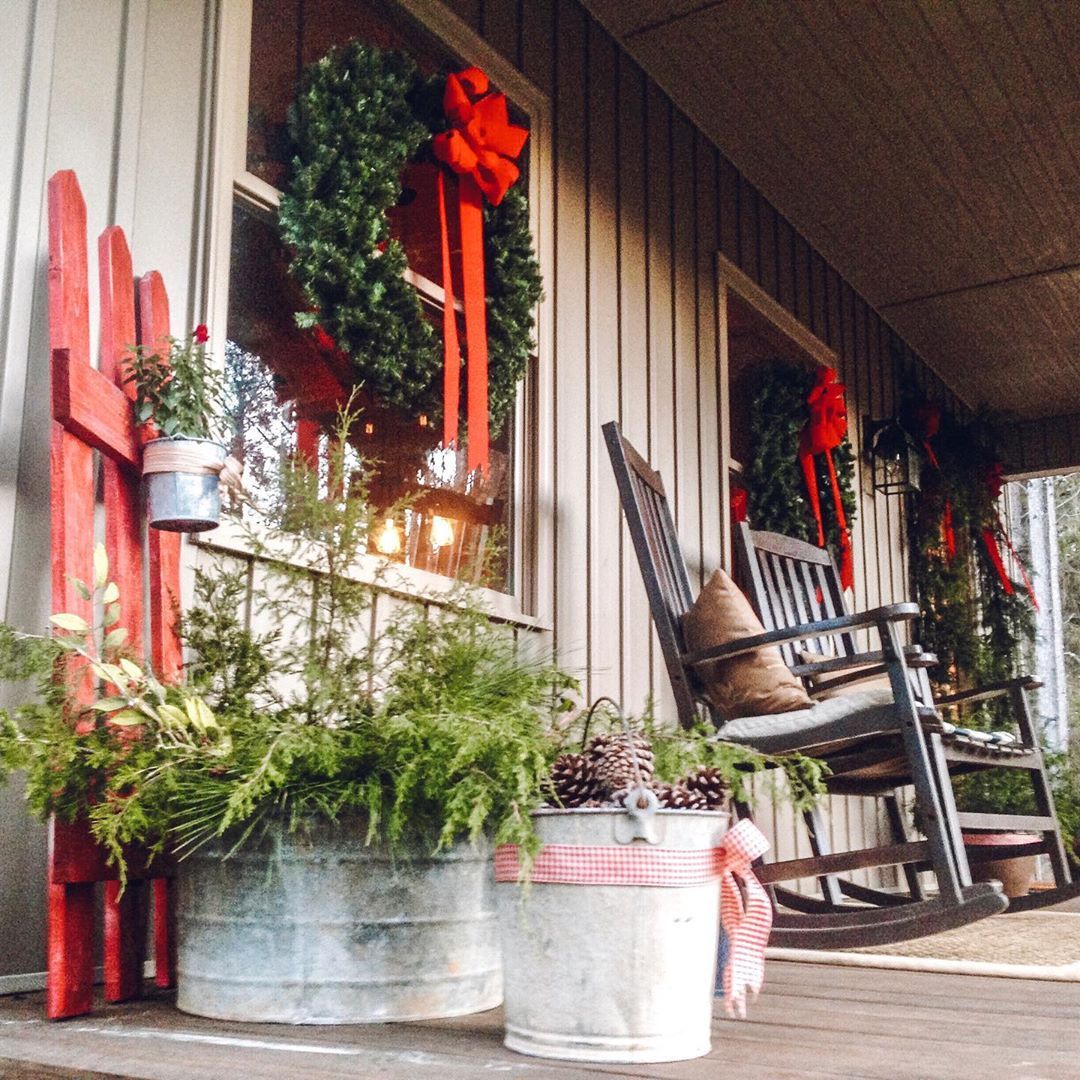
point(423, 420)
point(442, 532)
point(389, 539)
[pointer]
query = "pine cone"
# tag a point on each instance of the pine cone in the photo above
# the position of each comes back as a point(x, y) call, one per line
point(710, 784)
point(573, 782)
point(669, 796)
point(613, 761)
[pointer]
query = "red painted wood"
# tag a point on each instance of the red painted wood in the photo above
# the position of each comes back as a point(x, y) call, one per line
point(125, 915)
point(71, 907)
point(90, 407)
point(125, 939)
point(165, 931)
point(164, 547)
point(91, 411)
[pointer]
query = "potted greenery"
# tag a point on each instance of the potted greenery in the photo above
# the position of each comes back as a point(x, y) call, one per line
point(331, 793)
point(178, 395)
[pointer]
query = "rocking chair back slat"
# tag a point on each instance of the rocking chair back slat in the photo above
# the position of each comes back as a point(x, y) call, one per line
point(667, 581)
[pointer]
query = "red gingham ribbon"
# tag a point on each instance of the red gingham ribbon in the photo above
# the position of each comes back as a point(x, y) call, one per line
point(580, 864)
point(746, 922)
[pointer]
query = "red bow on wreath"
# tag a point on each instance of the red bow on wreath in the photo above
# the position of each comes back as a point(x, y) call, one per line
point(479, 147)
point(822, 433)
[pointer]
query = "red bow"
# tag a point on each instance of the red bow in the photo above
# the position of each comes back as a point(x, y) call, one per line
point(478, 147)
point(822, 433)
point(994, 478)
point(928, 418)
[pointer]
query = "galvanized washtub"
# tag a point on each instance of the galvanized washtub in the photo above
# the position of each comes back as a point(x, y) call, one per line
point(612, 973)
point(182, 485)
point(315, 928)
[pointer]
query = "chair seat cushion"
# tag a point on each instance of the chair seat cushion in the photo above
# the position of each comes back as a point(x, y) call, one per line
point(756, 683)
point(839, 719)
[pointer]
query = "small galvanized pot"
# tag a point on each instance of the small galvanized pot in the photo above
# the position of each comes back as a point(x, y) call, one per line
point(182, 485)
point(313, 927)
point(612, 973)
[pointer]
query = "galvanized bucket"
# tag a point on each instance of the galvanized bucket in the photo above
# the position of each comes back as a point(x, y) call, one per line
point(186, 498)
point(313, 927)
point(612, 973)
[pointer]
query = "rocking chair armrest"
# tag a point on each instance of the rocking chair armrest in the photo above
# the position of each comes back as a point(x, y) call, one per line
point(872, 663)
point(985, 693)
point(823, 628)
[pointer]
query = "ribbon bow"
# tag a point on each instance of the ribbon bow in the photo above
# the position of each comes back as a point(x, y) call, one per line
point(746, 921)
point(822, 433)
point(479, 147)
point(928, 418)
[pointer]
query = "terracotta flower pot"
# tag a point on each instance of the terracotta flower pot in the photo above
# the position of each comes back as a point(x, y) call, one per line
point(1015, 873)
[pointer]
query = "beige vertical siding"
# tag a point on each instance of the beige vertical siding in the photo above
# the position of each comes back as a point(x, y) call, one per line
point(642, 204)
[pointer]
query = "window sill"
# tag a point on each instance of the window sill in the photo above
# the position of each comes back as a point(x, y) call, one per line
point(381, 574)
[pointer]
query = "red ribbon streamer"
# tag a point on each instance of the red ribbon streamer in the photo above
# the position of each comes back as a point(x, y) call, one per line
point(823, 432)
point(479, 147)
point(995, 483)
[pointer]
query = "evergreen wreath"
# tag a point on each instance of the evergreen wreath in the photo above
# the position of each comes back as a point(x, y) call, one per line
point(775, 486)
point(362, 114)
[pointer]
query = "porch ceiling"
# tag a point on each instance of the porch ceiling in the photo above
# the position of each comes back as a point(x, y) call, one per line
point(929, 150)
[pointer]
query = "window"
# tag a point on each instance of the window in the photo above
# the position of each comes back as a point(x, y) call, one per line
point(289, 382)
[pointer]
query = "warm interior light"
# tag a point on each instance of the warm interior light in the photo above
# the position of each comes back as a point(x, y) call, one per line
point(389, 539)
point(369, 429)
point(442, 531)
point(423, 420)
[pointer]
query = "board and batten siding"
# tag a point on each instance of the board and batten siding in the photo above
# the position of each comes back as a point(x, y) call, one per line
point(640, 205)
point(643, 204)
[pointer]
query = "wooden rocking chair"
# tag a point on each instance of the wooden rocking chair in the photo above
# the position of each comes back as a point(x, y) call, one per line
point(873, 728)
point(791, 582)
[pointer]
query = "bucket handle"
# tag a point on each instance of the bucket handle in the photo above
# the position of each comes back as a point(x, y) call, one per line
point(641, 802)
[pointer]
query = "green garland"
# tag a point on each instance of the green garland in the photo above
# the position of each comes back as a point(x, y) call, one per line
point(775, 486)
point(975, 628)
point(362, 114)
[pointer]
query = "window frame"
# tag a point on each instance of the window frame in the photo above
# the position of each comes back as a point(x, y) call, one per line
point(530, 603)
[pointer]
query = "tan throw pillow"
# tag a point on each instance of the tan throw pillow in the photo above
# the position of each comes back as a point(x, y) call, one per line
point(753, 684)
point(874, 682)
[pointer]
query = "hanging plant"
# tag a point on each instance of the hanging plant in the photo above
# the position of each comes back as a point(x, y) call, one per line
point(361, 116)
point(776, 487)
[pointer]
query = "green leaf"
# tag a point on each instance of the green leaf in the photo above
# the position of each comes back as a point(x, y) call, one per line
point(111, 594)
point(80, 588)
point(131, 668)
point(115, 638)
point(101, 566)
point(127, 718)
point(112, 614)
point(110, 704)
point(73, 623)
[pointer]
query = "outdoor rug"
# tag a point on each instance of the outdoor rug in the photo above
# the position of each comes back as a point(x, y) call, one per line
point(1027, 945)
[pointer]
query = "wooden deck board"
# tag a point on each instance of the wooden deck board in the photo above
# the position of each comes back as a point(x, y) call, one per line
point(812, 1021)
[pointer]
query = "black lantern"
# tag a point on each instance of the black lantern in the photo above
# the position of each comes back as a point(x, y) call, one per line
point(892, 455)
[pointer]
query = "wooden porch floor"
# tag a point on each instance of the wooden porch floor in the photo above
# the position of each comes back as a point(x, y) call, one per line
point(811, 1021)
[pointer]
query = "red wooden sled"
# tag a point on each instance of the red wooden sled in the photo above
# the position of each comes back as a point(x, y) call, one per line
point(91, 412)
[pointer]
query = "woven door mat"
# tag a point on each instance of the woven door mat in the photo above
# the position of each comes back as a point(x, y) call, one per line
point(1029, 944)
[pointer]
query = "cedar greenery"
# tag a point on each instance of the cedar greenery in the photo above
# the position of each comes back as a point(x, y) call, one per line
point(362, 114)
point(778, 501)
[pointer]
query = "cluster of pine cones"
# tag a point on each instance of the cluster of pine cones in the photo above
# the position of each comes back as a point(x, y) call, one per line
point(604, 774)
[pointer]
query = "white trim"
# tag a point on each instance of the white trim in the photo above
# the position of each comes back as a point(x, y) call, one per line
point(381, 574)
point(530, 603)
point(1045, 972)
